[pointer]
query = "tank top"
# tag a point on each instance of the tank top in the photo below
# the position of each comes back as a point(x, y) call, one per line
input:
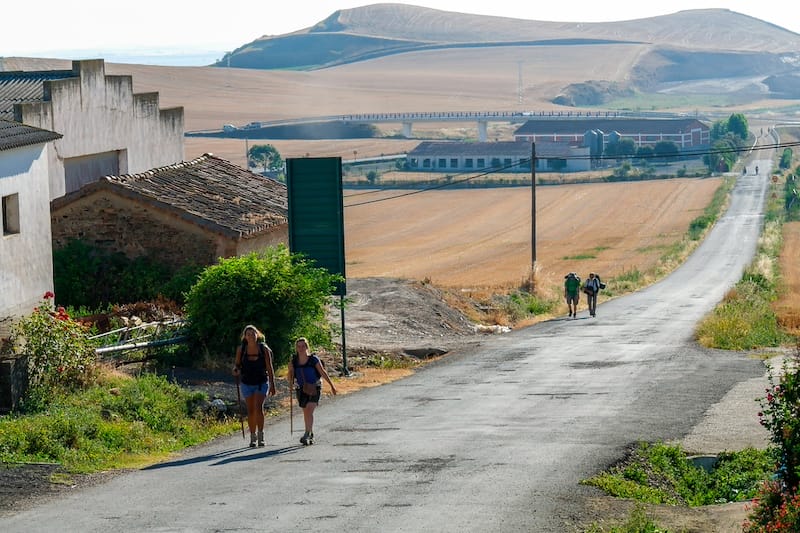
point(254, 371)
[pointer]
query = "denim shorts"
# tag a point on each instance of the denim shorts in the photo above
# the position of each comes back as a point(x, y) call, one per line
point(249, 390)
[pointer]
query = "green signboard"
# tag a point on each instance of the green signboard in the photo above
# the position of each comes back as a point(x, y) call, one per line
point(316, 212)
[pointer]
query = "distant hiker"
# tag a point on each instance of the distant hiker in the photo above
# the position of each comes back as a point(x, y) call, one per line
point(254, 366)
point(592, 288)
point(306, 370)
point(572, 286)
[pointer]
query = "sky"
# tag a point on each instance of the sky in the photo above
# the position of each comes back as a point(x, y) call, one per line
point(91, 28)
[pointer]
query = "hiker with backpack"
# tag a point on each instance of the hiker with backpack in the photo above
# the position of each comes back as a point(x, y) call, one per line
point(592, 289)
point(572, 286)
point(253, 367)
point(307, 372)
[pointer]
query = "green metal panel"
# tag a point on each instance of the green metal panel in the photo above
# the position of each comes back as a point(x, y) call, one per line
point(316, 212)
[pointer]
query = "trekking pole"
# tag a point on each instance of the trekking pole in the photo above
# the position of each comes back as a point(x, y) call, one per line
point(291, 410)
point(239, 403)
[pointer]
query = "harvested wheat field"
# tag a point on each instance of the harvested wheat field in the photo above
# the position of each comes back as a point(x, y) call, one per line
point(481, 238)
point(787, 307)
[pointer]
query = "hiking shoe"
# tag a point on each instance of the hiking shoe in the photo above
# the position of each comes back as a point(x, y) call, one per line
point(260, 439)
point(252, 440)
point(304, 439)
point(311, 438)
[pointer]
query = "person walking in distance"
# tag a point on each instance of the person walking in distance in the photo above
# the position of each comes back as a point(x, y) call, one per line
point(592, 288)
point(253, 367)
point(307, 372)
point(572, 286)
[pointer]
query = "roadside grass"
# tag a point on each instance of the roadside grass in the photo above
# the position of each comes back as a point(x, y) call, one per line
point(120, 422)
point(638, 521)
point(745, 319)
point(663, 474)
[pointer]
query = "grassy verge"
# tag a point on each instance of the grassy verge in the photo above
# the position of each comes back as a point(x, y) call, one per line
point(121, 422)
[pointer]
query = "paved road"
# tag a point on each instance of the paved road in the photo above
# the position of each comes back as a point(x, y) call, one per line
point(493, 439)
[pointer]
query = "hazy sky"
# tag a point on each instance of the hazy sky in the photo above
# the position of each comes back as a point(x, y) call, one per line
point(97, 27)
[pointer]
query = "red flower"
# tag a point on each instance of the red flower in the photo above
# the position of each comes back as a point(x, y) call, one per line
point(48, 295)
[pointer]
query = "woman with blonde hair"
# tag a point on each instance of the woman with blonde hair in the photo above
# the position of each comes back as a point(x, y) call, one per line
point(307, 371)
point(253, 367)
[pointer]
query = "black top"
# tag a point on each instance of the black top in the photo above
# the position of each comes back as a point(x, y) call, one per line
point(254, 371)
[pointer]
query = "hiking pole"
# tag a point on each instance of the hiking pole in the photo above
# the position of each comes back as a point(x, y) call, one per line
point(291, 410)
point(239, 403)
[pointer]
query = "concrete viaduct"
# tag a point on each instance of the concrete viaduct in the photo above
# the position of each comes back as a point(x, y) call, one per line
point(481, 118)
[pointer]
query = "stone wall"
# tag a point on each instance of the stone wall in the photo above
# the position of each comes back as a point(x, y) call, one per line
point(136, 229)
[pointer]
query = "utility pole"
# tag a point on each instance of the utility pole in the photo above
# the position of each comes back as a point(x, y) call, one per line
point(519, 82)
point(533, 215)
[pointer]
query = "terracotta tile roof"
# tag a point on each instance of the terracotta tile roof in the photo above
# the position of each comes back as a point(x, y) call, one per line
point(623, 126)
point(14, 135)
point(208, 191)
point(18, 87)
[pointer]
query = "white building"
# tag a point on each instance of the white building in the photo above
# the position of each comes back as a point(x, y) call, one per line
point(106, 129)
point(26, 262)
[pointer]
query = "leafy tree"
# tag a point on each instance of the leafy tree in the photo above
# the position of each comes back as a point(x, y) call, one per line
point(265, 155)
point(666, 150)
point(737, 125)
point(282, 294)
point(645, 152)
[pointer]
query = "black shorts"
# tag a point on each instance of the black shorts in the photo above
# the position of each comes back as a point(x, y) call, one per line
point(303, 398)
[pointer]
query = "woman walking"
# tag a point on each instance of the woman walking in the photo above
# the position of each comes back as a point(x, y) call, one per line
point(254, 365)
point(306, 371)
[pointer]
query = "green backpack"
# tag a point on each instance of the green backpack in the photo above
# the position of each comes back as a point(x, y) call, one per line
point(573, 282)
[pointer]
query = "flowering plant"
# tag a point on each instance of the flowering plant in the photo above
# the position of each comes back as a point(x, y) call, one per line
point(777, 507)
point(60, 355)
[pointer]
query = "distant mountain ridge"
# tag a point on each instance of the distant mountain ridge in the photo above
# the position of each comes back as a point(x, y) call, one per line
point(362, 33)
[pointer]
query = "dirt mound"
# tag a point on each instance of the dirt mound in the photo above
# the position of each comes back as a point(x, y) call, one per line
point(400, 315)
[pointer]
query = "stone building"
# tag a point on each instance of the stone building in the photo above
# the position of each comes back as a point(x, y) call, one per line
point(192, 212)
point(26, 263)
point(106, 128)
point(501, 156)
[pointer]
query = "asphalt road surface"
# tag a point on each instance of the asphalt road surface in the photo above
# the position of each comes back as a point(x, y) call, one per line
point(496, 438)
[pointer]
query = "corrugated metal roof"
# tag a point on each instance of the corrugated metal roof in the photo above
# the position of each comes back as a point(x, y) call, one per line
point(14, 135)
point(207, 190)
point(17, 87)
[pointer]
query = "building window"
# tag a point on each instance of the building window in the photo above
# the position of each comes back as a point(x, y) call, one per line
point(481, 162)
point(10, 209)
point(442, 163)
point(454, 163)
point(468, 163)
point(507, 162)
point(426, 163)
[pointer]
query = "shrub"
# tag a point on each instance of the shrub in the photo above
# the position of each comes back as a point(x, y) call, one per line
point(93, 277)
point(282, 294)
point(60, 356)
point(777, 507)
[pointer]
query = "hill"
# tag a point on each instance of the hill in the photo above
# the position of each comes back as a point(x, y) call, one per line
point(378, 30)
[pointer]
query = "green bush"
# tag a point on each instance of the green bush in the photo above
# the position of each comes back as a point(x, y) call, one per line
point(59, 354)
point(92, 277)
point(282, 294)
